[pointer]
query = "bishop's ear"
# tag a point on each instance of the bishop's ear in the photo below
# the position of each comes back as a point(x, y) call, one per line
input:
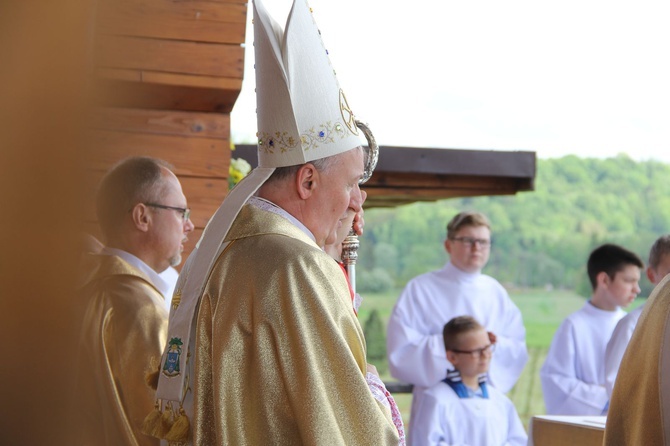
point(307, 180)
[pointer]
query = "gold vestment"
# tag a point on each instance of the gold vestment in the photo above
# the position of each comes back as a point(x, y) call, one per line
point(639, 411)
point(124, 328)
point(280, 355)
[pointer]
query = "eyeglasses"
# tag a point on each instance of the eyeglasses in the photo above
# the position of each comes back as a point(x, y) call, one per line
point(486, 351)
point(469, 241)
point(185, 212)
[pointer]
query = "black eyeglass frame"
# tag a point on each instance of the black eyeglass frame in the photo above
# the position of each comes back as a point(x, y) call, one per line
point(471, 241)
point(477, 353)
point(185, 212)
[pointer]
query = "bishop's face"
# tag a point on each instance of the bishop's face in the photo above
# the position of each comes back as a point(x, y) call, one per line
point(338, 195)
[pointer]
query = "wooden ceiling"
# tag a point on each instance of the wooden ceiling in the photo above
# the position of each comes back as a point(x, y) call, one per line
point(409, 174)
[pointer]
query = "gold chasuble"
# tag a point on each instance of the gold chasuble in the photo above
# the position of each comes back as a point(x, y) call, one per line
point(280, 355)
point(124, 328)
point(639, 412)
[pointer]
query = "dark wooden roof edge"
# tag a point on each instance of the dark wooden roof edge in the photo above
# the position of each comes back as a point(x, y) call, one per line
point(458, 161)
point(493, 163)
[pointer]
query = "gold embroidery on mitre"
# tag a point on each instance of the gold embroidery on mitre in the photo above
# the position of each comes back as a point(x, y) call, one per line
point(327, 132)
point(347, 114)
point(280, 140)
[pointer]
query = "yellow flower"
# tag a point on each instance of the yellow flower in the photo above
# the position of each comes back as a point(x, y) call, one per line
point(239, 168)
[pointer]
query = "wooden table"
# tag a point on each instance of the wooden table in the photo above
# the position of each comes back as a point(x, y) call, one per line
point(553, 430)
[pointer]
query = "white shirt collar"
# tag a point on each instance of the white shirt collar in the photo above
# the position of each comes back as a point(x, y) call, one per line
point(267, 205)
point(459, 273)
point(156, 280)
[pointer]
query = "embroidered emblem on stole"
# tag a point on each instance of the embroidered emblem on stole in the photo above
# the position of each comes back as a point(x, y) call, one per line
point(171, 366)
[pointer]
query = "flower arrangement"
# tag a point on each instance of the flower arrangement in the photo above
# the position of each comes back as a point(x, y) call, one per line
point(239, 168)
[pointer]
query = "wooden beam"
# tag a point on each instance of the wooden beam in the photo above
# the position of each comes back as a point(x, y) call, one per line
point(201, 21)
point(114, 93)
point(162, 122)
point(457, 161)
point(158, 77)
point(376, 194)
point(203, 157)
point(208, 59)
point(428, 181)
point(408, 174)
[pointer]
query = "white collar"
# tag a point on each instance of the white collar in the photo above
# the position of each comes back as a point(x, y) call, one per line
point(459, 273)
point(135, 261)
point(267, 205)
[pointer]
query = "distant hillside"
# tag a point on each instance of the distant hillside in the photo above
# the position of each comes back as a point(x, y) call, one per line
point(540, 238)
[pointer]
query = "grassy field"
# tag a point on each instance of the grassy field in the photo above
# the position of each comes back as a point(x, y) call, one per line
point(542, 310)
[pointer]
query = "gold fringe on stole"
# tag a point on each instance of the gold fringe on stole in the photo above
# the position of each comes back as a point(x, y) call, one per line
point(152, 421)
point(180, 429)
point(167, 419)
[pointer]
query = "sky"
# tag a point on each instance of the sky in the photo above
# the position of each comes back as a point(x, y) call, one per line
point(590, 78)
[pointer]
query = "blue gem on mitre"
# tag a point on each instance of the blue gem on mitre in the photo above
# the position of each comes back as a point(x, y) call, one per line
point(268, 143)
point(328, 133)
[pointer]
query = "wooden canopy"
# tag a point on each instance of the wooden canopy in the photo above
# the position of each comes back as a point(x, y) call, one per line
point(166, 75)
point(408, 174)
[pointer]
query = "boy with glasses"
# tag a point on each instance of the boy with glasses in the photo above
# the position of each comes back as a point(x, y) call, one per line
point(414, 334)
point(462, 408)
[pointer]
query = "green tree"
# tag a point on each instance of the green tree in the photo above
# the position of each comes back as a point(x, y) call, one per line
point(377, 280)
point(541, 237)
point(375, 338)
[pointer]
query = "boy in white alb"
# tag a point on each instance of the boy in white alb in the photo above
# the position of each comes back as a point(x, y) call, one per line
point(573, 375)
point(414, 333)
point(657, 269)
point(462, 409)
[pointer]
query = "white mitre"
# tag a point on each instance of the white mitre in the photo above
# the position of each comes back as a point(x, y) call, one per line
point(303, 116)
point(302, 112)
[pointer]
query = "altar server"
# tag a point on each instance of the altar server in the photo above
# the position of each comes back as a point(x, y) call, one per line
point(463, 409)
point(573, 374)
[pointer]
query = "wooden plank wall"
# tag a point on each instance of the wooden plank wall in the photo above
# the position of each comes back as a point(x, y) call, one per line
point(166, 76)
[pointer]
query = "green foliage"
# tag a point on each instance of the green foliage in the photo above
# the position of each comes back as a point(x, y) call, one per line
point(377, 280)
point(540, 238)
point(375, 338)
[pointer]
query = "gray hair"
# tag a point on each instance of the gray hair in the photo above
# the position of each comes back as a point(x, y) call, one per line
point(659, 249)
point(131, 181)
point(321, 165)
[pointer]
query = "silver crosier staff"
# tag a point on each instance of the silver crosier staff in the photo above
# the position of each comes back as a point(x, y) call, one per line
point(351, 244)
